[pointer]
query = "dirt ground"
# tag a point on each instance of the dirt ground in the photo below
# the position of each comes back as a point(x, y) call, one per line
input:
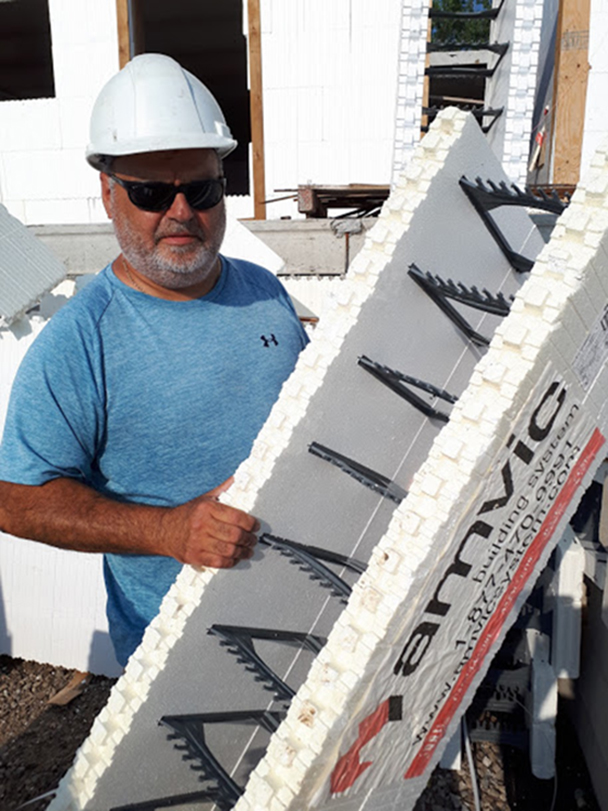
point(38, 742)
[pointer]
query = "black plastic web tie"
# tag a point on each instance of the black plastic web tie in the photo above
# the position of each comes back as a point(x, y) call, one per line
point(365, 475)
point(189, 730)
point(485, 14)
point(493, 195)
point(238, 640)
point(212, 795)
point(477, 45)
point(398, 382)
point(478, 111)
point(487, 196)
point(499, 48)
point(440, 291)
point(309, 558)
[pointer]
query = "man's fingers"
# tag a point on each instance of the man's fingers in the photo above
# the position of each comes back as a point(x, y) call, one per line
point(244, 547)
point(229, 518)
point(214, 534)
point(223, 557)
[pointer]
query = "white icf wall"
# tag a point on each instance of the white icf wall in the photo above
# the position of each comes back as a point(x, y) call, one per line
point(513, 85)
point(342, 92)
point(43, 175)
point(330, 84)
point(52, 602)
point(329, 76)
point(410, 81)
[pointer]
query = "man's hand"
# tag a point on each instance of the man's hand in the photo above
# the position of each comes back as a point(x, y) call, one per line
point(204, 532)
point(70, 515)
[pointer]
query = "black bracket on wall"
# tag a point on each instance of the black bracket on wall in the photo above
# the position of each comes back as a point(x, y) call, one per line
point(398, 382)
point(239, 641)
point(488, 196)
point(189, 730)
point(440, 291)
point(309, 558)
point(499, 48)
point(370, 478)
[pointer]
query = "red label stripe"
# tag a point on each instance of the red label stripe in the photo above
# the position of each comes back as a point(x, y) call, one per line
point(495, 623)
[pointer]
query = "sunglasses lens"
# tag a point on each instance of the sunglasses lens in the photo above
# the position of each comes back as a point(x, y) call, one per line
point(200, 194)
point(204, 194)
point(152, 196)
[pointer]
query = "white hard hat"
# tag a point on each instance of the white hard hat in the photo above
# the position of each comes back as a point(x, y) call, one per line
point(154, 104)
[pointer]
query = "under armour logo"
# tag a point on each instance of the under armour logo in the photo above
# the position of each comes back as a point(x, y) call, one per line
point(268, 341)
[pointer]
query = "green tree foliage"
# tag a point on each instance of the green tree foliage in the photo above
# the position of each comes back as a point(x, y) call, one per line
point(452, 31)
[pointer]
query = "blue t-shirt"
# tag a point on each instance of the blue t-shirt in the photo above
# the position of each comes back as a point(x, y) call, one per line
point(150, 401)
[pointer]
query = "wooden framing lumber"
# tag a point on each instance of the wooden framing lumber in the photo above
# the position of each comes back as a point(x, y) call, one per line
point(571, 71)
point(257, 110)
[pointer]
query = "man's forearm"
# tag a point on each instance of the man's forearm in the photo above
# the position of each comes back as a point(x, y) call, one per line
point(70, 515)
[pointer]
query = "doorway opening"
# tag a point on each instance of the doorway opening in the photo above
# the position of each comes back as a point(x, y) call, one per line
point(206, 38)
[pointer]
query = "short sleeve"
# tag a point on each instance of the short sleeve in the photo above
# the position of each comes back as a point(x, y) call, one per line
point(54, 423)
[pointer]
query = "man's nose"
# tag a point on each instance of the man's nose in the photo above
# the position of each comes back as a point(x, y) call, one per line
point(180, 209)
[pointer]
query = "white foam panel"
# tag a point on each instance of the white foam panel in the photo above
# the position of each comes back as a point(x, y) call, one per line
point(447, 569)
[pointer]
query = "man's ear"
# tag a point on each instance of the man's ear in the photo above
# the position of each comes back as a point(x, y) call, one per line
point(106, 194)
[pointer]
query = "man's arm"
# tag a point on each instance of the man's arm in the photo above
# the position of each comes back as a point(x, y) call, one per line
point(67, 514)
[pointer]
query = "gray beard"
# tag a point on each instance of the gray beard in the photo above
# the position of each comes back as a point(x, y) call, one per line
point(182, 268)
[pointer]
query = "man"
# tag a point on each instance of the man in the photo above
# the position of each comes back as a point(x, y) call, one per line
point(140, 398)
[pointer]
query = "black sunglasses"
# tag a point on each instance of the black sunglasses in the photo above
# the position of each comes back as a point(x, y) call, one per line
point(157, 196)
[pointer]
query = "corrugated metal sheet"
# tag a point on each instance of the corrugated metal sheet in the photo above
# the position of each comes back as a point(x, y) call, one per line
point(28, 269)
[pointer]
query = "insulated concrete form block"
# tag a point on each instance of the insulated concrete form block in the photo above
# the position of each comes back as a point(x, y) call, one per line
point(31, 175)
point(410, 81)
point(52, 211)
point(513, 86)
point(15, 340)
point(100, 58)
point(329, 88)
point(380, 312)
point(28, 269)
point(30, 125)
point(85, 52)
point(53, 606)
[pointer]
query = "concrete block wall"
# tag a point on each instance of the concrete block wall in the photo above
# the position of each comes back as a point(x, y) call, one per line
point(43, 176)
